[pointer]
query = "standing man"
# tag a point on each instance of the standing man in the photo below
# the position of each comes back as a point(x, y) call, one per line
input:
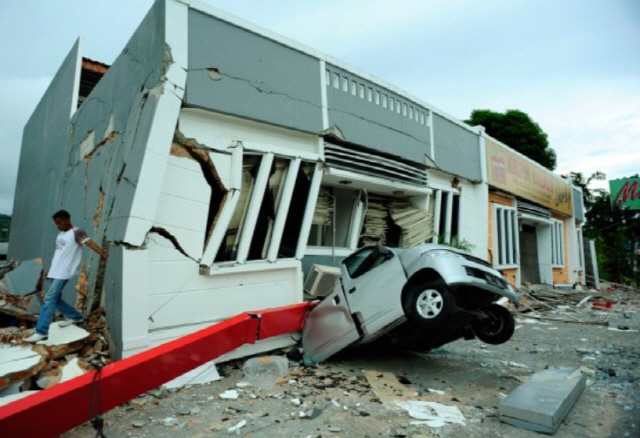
point(64, 265)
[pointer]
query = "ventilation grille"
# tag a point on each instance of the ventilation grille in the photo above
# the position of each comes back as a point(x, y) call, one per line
point(369, 163)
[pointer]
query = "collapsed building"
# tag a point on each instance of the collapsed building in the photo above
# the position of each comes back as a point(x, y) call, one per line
point(219, 162)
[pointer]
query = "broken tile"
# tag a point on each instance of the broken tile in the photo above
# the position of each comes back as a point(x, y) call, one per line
point(72, 369)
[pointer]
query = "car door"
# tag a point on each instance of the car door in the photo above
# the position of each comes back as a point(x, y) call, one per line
point(329, 327)
point(372, 279)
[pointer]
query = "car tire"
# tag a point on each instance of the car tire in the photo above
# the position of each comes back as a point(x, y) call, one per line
point(428, 304)
point(497, 328)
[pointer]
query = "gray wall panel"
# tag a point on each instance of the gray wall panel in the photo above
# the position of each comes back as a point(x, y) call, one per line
point(364, 119)
point(260, 78)
point(56, 173)
point(578, 211)
point(457, 149)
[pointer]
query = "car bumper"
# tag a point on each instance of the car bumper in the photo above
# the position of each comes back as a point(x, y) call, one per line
point(466, 281)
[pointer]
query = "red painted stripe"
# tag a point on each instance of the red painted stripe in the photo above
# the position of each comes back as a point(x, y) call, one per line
point(60, 408)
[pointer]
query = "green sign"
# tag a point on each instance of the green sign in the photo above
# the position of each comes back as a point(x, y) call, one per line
point(625, 193)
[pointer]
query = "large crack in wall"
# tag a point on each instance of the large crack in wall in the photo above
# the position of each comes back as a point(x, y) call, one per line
point(219, 193)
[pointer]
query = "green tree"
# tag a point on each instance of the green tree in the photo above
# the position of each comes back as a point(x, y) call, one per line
point(588, 195)
point(518, 131)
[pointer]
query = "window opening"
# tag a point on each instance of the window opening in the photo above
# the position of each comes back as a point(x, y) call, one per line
point(229, 247)
point(295, 215)
point(267, 214)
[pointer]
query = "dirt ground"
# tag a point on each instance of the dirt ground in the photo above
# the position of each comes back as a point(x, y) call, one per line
point(335, 400)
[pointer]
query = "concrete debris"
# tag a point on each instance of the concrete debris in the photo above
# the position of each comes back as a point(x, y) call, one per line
point(11, 398)
point(237, 427)
point(432, 414)
point(230, 394)
point(541, 303)
point(203, 374)
point(22, 280)
point(73, 369)
point(541, 403)
point(18, 363)
point(68, 352)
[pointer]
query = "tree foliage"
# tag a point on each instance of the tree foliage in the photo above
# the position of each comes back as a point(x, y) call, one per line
point(518, 131)
point(616, 232)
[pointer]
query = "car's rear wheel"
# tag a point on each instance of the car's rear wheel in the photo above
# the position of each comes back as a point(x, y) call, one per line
point(429, 304)
point(497, 327)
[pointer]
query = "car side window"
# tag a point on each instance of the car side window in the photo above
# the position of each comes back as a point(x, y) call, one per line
point(362, 262)
point(355, 261)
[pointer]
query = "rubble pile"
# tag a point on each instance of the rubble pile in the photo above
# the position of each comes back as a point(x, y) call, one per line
point(69, 350)
point(578, 306)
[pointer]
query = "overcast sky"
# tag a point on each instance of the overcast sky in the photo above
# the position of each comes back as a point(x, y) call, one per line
point(572, 65)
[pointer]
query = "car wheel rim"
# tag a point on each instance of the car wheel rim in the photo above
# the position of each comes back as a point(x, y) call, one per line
point(493, 325)
point(429, 303)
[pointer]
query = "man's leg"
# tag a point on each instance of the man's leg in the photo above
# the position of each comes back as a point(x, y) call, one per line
point(68, 310)
point(49, 305)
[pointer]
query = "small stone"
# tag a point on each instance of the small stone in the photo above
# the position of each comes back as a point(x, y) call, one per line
point(296, 401)
point(195, 411)
point(398, 432)
point(170, 421)
point(184, 411)
point(363, 413)
point(138, 423)
point(334, 429)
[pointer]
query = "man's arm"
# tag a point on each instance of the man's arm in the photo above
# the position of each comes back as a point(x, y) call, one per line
point(91, 244)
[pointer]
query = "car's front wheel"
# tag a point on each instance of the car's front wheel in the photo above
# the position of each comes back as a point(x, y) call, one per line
point(497, 327)
point(428, 304)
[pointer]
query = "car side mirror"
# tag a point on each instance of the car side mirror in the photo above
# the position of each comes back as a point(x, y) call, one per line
point(384, 251)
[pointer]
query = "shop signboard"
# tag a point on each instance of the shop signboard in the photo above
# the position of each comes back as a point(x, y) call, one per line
point(625, 193)
point(517, 175)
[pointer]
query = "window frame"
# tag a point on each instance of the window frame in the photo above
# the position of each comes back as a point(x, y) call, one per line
point(506, 242)
point(557, 244)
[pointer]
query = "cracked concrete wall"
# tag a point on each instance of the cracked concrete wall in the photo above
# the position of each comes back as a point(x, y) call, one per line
point(457, 150)
point(364, 120)
point(230, 66)
point(100, 165)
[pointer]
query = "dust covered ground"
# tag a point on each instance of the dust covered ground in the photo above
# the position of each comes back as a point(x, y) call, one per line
point(334, 399)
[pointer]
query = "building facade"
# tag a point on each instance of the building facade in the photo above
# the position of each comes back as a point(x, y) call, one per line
point(219, 161)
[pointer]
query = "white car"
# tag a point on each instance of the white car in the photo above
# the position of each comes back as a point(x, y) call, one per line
point(423, 297)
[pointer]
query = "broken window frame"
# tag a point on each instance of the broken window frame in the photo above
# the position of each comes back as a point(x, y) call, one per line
point(256, 197)
point(557, 243)
point(505, 237)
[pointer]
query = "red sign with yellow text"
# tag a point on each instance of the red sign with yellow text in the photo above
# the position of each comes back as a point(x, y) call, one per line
point(516, 175)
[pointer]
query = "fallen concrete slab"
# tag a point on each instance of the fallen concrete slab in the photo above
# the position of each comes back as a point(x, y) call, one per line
point(18, 363)
point(541, 403)
point(22, 280)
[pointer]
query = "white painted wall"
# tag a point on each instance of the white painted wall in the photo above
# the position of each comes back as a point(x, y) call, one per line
point(169, 296)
